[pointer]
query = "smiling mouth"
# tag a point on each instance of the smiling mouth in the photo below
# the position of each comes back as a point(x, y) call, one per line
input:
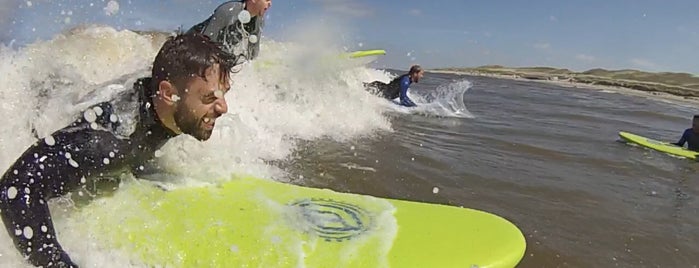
point(209, 123)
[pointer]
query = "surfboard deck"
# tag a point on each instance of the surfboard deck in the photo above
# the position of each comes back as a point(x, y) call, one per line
point(661, 146)
point(249, 222)
point(365, 53)
point(345, 60)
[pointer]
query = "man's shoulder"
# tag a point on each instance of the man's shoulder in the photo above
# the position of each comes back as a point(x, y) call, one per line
point(119, 114)
point(231, 8)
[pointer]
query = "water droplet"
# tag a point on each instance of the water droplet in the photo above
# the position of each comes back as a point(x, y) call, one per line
point(94, 126)
point(83, 180)
point(44, 228)
point(105, 161)
point(11, 192)
point(28, 232)
point(352, 148)
point(73, 163)
point(50, 141)
point(18, 232)
point(113, 118)
point(158, 153)
point(98, 110)
point(435, 190)
point(244, 16)
point(175, 98)
point(90, 115)
point(67, 155)
point(111, 154)
point(253, 38)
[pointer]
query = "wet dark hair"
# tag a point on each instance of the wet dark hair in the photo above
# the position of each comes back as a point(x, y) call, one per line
point(415, 69)
point(186, 55)
point(696, 116)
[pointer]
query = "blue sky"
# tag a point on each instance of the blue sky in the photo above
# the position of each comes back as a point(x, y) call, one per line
point(613, 34)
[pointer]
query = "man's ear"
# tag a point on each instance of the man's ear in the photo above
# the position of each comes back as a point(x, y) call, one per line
point(167, 92)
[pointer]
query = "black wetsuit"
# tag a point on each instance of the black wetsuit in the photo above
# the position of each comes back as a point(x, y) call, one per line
point(389, 91)
point(224, 27)
point(691, 138)
point(108, 138)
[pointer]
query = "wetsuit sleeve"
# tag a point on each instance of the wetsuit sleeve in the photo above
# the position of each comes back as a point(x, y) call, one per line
point(683, 139)
point(255, 49)
point(52, 167)
point(404, 86)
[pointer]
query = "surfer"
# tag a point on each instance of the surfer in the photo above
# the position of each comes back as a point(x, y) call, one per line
point(691, 136)
point(398, 87)
point(185, 94)
point(238, 26)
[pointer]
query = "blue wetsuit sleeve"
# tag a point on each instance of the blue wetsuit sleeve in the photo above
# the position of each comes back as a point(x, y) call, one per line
point(404, 86)
point(684, 138)
point(49, 168)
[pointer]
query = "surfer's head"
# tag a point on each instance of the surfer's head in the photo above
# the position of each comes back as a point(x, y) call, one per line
point(258, 7)
point(190, 78)
point(695, 123)
point(416, 72)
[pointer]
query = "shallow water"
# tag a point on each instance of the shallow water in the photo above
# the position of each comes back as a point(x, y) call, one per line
point(544, 157)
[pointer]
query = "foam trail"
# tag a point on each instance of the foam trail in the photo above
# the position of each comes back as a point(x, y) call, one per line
point(447, 100)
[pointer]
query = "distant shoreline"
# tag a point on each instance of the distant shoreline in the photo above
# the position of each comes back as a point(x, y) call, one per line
point(601, 80)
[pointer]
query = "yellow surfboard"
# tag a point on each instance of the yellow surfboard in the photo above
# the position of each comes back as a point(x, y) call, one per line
point(250, 222)
point(664, 147)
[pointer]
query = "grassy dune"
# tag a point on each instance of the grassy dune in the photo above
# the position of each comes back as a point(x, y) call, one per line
point(680, 84)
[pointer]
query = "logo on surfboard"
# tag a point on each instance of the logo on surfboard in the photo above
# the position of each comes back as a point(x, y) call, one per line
point(332, 220)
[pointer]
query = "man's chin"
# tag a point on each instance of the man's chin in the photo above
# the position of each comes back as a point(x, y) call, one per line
point(203, 136)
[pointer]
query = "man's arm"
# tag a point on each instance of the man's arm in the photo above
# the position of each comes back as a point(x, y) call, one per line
point(404, 86)
point(683, 139)
point(50, 168)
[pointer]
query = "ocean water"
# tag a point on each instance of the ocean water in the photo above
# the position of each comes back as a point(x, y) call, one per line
point(543, 156)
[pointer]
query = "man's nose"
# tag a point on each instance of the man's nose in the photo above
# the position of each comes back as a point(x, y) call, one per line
point(221, 106)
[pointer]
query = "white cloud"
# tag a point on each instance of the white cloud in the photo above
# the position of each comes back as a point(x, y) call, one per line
point(643, 63)
point(415, 12)
point(583, 57)
point(542, 45)
point(345, 7)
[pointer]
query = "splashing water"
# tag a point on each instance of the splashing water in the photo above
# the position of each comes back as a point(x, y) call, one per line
point(447, 100)
point(271, 108)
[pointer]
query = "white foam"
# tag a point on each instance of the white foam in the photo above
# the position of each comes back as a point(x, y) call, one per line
point(446, 100)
